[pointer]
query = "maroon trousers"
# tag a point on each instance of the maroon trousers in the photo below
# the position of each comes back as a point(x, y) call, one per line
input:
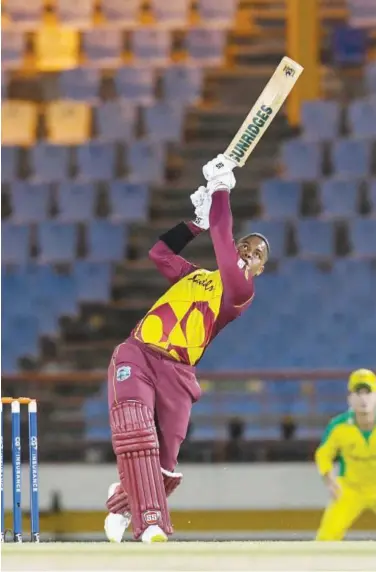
point(166, 387)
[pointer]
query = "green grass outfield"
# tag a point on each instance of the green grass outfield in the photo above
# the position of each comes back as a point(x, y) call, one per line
point(191, 556)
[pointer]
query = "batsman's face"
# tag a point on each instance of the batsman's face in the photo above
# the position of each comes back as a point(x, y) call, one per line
point(254, 252)
point(363, 401)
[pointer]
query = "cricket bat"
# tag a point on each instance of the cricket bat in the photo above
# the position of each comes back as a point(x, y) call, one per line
point(263, 112)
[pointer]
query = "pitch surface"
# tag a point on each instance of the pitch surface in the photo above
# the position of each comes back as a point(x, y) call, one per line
point(191, 556)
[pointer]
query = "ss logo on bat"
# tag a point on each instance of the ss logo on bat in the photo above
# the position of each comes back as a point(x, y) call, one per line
point(289, 71)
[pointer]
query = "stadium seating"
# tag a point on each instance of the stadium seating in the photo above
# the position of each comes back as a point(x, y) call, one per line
point(151, 46)
point(25, 14)
point(182, 84)
point(146, 161)
point(280, 199)
point(115, 121)
point(129, 201)
point(164, 122)
point(315, 238)
point(362, 118)
point(15, 243)
point(217, 13)
point(301, 160)
point(49, 163)
point(371, 77)
point(121, 13)
point(135, 83)
point(76, 201)
point(205, 46)
point(30, 202)
point(320, 120)
point(76, 14)
point(81, 84)
point(96, 161)
point(9, 156)
point(12, 48)
point(103, 46)
point(170, 14)
point(106, 241)
point(67, 122)
point(57, 242)
point(351, 158)
point(339, 198)
point(363, 235)
point(93, 281)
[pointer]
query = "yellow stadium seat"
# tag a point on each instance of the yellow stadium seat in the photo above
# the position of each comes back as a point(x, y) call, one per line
point(56, 48)
point(68, 122)
point(18, 122)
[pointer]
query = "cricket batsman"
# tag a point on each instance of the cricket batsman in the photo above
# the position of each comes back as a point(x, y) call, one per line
point(350, 439)
point(151, 377)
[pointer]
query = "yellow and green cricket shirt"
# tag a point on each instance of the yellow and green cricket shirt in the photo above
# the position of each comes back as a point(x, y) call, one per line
point(354, 449)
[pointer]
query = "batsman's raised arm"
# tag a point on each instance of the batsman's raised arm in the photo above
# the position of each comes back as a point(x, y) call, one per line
point(237, 262)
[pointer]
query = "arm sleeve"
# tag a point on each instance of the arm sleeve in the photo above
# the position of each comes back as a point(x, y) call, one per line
point(237, 287)
point(327, 451)
point(165, 253)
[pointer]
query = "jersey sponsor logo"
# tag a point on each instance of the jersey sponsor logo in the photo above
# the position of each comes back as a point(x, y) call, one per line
point(258, 125)
point(206, 283)
point(151, 516)
point(123, 373)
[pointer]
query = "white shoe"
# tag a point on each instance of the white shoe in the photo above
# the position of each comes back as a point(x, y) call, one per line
point(153, 533)
point(116, 524)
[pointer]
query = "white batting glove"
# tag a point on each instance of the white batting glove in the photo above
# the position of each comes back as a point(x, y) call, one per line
point(198, 197)
point(202, 212)
point(219, 166)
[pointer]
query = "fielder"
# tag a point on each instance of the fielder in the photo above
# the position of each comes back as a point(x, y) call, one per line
point(350, 439)
point(151, 377)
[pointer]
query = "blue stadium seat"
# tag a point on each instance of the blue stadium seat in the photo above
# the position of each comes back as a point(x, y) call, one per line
point(151, 45)
point(349, 45)
point(218, 13)
point(146, 161)
point(320, 120)
point(371, 77)
point(66, 295)
point(23, 332)
point(121, 13)
point(95, 413)
point(115, 120)
point(81, 84)
point(164, 122)
point(8, 164)
point(76, 201)
point(57, 242)
point(351, 158)
point(129, 201)
point(93, 281)
point(29, 201)
point(106, 241)
point(182, 84)
point(315, 237)
point(46, 309)
point(301, 160)
point(363, 236)
point(362, 118)
point(28, 14)
point(274, 232)
point(76, 14)
point(240, 403)
point(50, 163)
point(170, 13)
point(9, 355)
point(205, 46)
point(103, 46)
point(15, 243)
point(280, 198)
point(135, 83)
point(12, 48)
point(372, 194)
point(96, 161)
point(339, 198)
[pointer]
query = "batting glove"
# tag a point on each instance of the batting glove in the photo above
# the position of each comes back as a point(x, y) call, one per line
point(202, 212)
point(219, 166)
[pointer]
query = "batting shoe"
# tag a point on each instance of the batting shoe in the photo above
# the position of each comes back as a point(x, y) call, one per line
point(116, 524)
point(153, 533)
